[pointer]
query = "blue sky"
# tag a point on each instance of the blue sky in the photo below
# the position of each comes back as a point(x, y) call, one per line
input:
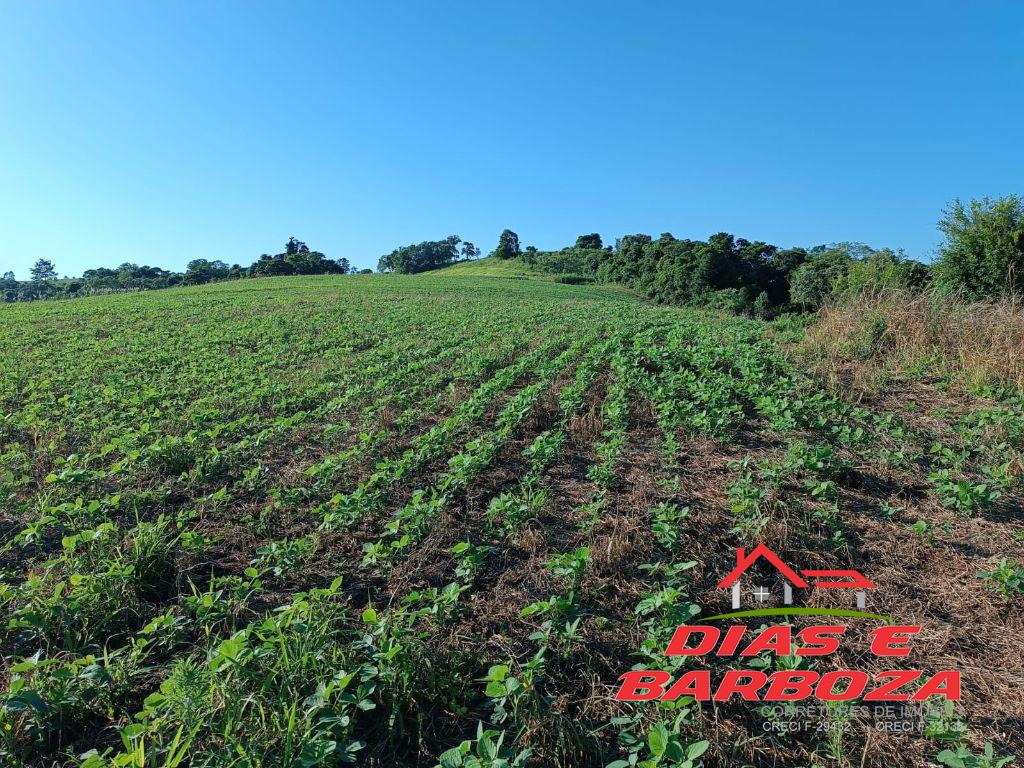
point(163, 131)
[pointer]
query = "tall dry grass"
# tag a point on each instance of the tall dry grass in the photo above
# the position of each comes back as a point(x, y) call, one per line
point(976, 345)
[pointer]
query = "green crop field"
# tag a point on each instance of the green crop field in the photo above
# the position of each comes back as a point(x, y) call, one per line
point(432, 519)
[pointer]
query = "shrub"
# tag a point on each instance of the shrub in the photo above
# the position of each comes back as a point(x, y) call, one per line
point(762, 306)
point(882, 270)
point(983, 255)
point(730, 299)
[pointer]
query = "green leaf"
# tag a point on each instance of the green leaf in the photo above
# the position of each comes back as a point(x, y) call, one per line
point(452, 758)
point(657, 739)
point(133, 731)
point(697, 749)
point(495, 690)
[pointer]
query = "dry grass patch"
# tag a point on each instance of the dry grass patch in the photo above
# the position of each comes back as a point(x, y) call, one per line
point(975, 345)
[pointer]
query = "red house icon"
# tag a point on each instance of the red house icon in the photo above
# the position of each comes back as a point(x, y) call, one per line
point(825, 579)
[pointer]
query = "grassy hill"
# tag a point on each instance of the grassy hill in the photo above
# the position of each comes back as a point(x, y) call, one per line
point(298, 521)
point(554, 267)
point(491, 266)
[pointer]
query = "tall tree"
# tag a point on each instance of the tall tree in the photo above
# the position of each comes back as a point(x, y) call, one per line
point(593, 240)
point(469, 251)
point(508, 245)
point(294, 246)
point(44, 270)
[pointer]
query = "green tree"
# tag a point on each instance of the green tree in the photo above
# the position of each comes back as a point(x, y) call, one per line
point(421, 257)
point(812, 282)
point(469, 251)
point(298, 259)
point(789, 259)
point(201, 271)
point(44, 270)
point(593, 240)
point(307, 262)
point(294, 246)
point(983, 254)
point(8, 287)
point(508, 245)
point(272, 266)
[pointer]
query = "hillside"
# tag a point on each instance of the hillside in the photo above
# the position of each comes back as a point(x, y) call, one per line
point(491, 266)
point(315, 520)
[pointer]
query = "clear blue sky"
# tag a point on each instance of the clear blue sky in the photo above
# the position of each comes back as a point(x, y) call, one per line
point(157, 132)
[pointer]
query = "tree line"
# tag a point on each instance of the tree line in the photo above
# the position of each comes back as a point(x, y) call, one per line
point(428, 255)
point(981, 258)
point(295, 259)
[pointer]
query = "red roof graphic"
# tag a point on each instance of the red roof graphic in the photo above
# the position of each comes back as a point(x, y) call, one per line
point(853, 579)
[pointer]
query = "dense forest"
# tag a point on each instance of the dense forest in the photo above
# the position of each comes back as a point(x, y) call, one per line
point(732, 273)
point(980, 258)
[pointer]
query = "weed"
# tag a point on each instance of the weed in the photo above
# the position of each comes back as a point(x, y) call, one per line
point(1006, 578)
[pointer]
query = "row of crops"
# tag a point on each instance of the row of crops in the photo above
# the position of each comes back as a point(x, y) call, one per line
point(427, 521)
